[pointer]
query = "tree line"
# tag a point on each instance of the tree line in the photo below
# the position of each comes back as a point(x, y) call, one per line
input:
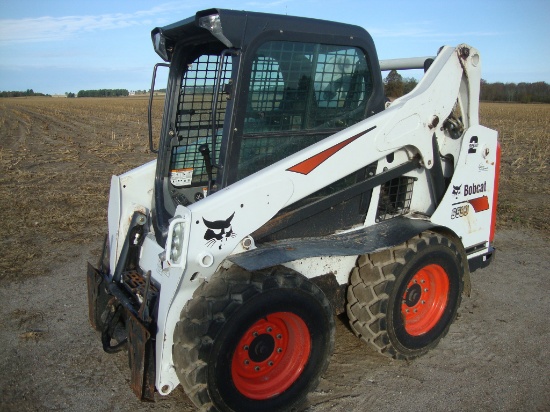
point(396, 86)
point(538, 92)
point(28, 92)
point(103, 93)
point(81, 93)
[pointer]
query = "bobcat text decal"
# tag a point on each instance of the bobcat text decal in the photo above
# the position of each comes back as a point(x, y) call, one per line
point(475, 188)
point(472, 189)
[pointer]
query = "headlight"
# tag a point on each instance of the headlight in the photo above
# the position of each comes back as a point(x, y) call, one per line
point(175, 242)
point(159, 43)
point(176, 248)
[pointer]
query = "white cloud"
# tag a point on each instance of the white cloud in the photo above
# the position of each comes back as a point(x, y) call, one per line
point(49, 28)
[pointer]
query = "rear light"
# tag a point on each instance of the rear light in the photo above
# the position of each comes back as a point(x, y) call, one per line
point(495, 195)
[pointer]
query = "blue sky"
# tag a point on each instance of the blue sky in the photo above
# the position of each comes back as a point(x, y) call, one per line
point(58, 46)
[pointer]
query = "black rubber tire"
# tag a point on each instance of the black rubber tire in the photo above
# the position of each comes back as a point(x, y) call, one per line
point(379, 285)
point(221, 313)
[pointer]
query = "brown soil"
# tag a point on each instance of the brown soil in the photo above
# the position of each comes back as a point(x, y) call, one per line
point(56, 159)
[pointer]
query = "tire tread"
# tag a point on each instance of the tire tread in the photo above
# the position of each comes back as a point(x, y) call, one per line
point(371, 283)
point(211, 304)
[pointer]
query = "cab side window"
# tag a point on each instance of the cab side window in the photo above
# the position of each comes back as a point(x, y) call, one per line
point(298, 94)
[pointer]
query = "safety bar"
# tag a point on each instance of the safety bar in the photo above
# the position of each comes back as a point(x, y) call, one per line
point(405, 63)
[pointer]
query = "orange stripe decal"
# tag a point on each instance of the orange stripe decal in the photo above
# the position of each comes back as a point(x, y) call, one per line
point(308, 165)
point(480, 203)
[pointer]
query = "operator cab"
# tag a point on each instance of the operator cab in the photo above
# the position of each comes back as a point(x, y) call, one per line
point(246, 90)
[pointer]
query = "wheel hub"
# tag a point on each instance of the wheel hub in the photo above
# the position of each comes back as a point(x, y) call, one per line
point(261, 348)
point(271, 355)
point(413, 294)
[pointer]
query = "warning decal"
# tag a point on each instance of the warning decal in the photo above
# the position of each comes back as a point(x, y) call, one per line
point(181, 177)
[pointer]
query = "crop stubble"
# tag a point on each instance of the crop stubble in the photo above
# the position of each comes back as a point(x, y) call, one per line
point(57, 156)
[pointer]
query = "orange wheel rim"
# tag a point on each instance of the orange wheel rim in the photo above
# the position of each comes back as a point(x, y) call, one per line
point(271, 355)
point(425, 299)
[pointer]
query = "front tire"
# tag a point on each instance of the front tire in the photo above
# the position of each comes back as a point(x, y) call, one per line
point(253, 341)
point(402, 301)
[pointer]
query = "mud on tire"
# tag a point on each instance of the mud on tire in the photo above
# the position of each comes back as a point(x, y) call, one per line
point(253, 341)
point(402, 301)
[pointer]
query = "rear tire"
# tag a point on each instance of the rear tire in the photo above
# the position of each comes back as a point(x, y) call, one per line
point(253, 341)
point(402, 301)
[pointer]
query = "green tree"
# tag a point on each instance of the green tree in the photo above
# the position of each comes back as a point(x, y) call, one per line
point(408, 84)
point(393, 84)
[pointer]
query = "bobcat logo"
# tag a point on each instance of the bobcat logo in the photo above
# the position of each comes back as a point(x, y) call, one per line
point(456, 190)
point(219, 230)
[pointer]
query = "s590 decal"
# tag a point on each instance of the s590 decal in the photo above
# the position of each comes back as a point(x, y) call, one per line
point(460, 211)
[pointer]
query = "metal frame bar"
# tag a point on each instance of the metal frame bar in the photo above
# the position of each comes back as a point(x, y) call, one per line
point(408, 63)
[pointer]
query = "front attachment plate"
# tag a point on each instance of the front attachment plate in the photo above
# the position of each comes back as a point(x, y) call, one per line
point(141, 358)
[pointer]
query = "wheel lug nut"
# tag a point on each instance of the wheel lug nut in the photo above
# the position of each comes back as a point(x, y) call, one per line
point(246, 361)
point(423, 302)
point(425, 290)
point(270, 363)
point(279, 350)
point(245, 347)
point(257, 368)
point(255, 334)
point(279, 336)
point(269, 329)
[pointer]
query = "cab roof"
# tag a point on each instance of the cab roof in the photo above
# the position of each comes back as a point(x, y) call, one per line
point(240, 28)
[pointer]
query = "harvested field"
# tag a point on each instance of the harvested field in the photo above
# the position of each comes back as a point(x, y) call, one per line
point(57, 156)
point(525, 166)
point(56, 159)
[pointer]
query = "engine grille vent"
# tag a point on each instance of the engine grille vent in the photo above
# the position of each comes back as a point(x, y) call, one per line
point(395, 198)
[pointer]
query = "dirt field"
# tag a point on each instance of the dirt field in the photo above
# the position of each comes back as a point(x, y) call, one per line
point(56, 159)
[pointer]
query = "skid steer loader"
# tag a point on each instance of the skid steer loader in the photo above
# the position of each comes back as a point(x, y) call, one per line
point(286, 191)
